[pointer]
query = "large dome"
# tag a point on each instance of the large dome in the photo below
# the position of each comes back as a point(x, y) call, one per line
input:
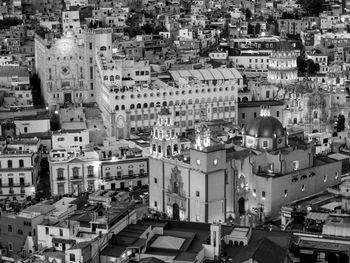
point(264, 127)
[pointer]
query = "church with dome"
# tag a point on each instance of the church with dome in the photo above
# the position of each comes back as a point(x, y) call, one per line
point(311, 104)
point(216, 181)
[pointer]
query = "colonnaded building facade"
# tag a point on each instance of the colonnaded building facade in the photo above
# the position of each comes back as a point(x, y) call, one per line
point(191, 95)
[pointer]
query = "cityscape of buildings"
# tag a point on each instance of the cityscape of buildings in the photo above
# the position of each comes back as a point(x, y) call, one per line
point(174, 131)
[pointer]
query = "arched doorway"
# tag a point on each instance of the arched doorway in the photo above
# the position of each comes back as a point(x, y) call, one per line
point(176, 212)
point(241, 206)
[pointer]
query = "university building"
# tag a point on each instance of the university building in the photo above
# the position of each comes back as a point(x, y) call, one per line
point(192, 95)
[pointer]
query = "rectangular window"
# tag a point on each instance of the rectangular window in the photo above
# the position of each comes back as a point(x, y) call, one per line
point(91, 72)
point(47, 232)
point(90, 46)
point(9, 228)
point(76, 138)
point(295, 165)
point(25, 129)
point(80, 139)
point(10, 246)
point(254, 114)
point(243, 116)
point(72, 257)
point(277, 113)
point(91, 59)
point(263, 195)
point(197, 193)
point(155, 180)
point(61, 232)
point(267, 94)
point(91, 86)
point(19, 232)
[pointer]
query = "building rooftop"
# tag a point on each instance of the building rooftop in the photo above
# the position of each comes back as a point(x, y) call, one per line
point(9, 71)
point(251, 104)
point(206, 74)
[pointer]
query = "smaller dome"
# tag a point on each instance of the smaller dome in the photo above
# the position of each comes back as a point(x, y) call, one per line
point(264, 127)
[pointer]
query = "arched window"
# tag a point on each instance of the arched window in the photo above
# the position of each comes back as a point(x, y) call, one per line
point(315, 114)
point(132, 106)
point(117, 107)
point(151, 105)
point(145, 105)
point(303, 177)
point(164, 103)
point(244, 99)
point(123, 107)
point(105, 77)
point(159, 149)
point(176, 148)
point(103, 48)
point(138, 105)
point(111, 78)
point(153, 147)
point(117, 77)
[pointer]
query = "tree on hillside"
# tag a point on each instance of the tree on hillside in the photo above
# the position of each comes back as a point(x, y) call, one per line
point(248, 14)
point(312, 7)
point(340, 123)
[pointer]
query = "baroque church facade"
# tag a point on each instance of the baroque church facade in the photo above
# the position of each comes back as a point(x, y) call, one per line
point(213, 181)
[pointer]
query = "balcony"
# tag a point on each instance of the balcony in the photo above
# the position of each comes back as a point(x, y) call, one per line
point(11, 191)
point(15, 185)
point(91, 176)
point(73, 178)
point(61, 178)
point(23, 191)
point(126, 176)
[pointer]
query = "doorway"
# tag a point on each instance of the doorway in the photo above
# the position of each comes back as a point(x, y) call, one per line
point(241, 206)
point(176, 212)
point(67, 98)
point(112, 186)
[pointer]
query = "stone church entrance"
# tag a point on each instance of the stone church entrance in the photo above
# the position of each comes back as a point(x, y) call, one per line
point(67, 98)
point(176, 212)
point(241, 206)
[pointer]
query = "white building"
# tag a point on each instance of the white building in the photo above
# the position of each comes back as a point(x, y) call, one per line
point(71, 21)
point(73, 172)
point(19, 169)
point(72, 140)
